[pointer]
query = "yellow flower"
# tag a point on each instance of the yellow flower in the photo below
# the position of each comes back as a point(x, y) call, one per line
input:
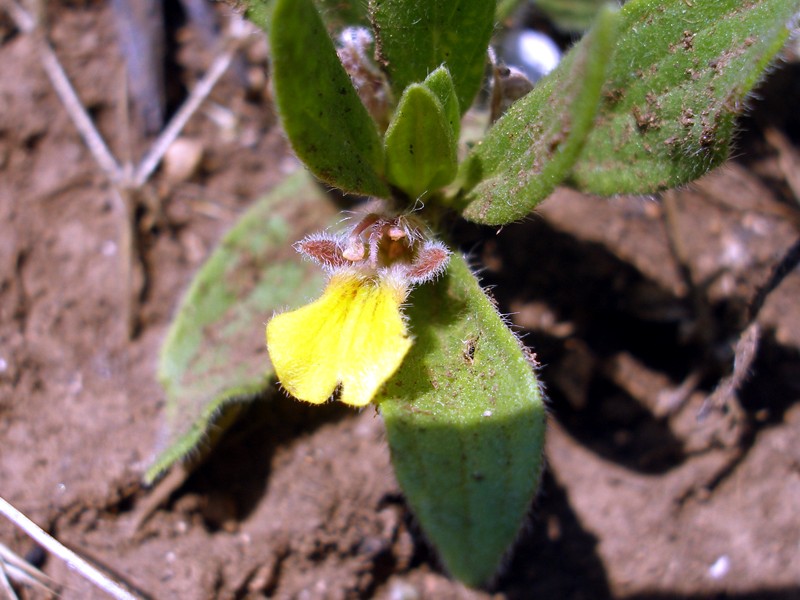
point(353, 338)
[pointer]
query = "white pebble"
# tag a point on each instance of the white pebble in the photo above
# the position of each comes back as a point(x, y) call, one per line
point(720, 568)
point(182, 159)
point(108, 248)
point(532, 52)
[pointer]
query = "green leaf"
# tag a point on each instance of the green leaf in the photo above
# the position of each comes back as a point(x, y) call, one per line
point(328, 126)
point(533, 146)
point(505, 8)
point(441, 84)
point(420, 147)
point(571, 15)
point(465, 422)
point(214, 353)
point(337, 14)
point(414, 38)
point(676, 85)
point(258, 11)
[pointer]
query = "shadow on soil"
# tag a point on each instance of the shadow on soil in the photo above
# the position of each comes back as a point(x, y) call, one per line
point(585, 285)
point(555, 557)
point(612, 308)
point(239, 466)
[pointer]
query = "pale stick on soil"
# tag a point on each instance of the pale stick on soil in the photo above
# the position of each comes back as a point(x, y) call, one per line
point(13, 568)
point(6, 591)
point(127, 180)
point(66, 93)
point(159, 495)
point(747, 345)
point(52, 545)
point(236, 33)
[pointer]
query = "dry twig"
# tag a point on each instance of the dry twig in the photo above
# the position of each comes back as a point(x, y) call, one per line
point(126, 179)
point(28, 24)
point(13, 568)
point(74, 562)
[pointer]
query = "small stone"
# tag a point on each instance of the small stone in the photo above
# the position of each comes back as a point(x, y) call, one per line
point(182, 159)
point(532, 52)
point(720, 567)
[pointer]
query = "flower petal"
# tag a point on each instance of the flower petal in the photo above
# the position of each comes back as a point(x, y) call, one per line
point(353, 336)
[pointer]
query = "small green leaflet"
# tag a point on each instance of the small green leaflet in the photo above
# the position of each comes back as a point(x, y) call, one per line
point(420, 147)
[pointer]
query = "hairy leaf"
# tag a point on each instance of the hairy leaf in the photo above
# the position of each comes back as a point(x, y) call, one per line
point(420, 147)
point(506, 8)
point(571, 15)
point(465, 422)
point(415, 37)
point(677, 82)
point(533, 146)
point(341, 13)
point(258, 11)
point(441, 84)
point(214, 353)
point(328, 126)
point(336, 13)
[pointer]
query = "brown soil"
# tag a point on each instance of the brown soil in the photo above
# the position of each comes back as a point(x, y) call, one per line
point(633, 306)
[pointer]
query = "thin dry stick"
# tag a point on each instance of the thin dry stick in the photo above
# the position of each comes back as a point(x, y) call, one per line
point(91, 136)
point(69, 98)
point(124, 178)
point(52, 545)
point(198, 94)
point(6, 591)
point(22, 572)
